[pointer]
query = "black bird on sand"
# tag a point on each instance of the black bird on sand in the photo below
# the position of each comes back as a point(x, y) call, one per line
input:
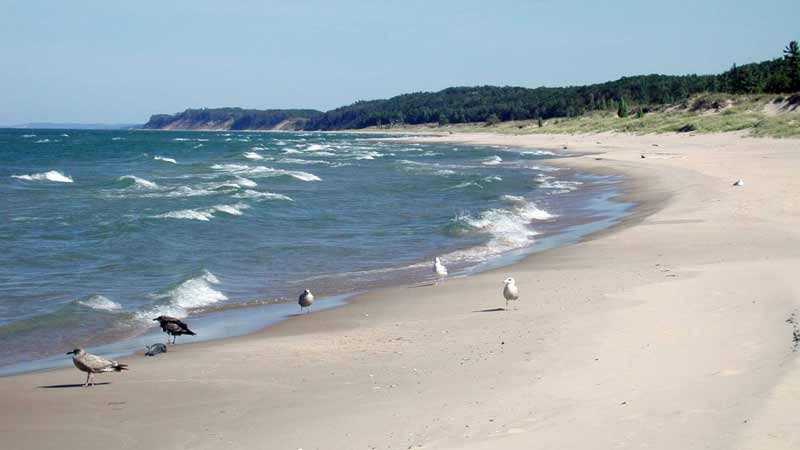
point(173, 327)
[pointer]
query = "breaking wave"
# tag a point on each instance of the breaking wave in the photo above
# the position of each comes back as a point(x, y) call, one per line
point(138, 183)
point(52, 175)
point(100, 303)
point(165, 159)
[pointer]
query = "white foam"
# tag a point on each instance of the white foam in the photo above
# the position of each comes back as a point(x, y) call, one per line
point(538, 153)
point(252, 155)
point(28, 136)
point(165, 159)
point(290, 151)
point(181, 139)
point(245, 182)
point(42, 141)
point(196, 292)
point(493, 161)
point(315, 147)
point(560, 186)
point(117, 138)
point(139, 183)
point(52, 175)
point(240, 169)
point(301, 161)
point(188, 214)
point(234, 210)
point(509, 228)
point(100, 303)
point(193, 293)
point(262, 195)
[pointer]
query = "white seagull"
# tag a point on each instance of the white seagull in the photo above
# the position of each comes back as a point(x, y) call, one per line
point(92, 364)
point(739, 182)
point(305, 300)
point(439, 269)
point(510, 291)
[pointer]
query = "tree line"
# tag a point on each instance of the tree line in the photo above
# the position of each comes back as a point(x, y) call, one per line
point(492, 104)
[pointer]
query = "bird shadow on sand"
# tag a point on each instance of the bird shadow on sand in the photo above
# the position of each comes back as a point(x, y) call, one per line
point(490, 310)
point(64, 386)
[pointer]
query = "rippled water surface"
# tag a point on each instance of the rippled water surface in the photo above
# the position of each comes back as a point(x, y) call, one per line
point(103, 230)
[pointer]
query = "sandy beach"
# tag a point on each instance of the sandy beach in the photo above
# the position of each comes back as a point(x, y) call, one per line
point(672, 330)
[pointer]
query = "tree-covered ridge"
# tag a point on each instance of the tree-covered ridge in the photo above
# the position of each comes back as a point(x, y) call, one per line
point(493, 104)
point(231, 118)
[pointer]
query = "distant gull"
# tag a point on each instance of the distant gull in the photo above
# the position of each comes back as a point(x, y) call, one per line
point(439, 269)
point(739, 182)
point(173, 327)
point(92, 364)
point(155, 349)
point(305, 300)
point(510, 291)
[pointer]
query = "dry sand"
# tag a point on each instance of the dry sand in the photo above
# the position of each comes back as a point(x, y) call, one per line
point(667, 332)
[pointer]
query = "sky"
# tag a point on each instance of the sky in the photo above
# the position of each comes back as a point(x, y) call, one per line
point(119, 62)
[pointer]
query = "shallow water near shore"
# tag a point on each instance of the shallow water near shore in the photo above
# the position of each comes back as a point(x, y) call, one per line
point(109, 229)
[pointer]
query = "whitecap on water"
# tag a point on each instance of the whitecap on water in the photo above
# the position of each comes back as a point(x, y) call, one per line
point(493, 161)
point(256, 195)
point(239, 169)
point(165, 159)
point(188, 214)
point(138, 183)
point(252, 155)
point(100, 303)
point(52, 175)
point(193, 293)
point(509, 228)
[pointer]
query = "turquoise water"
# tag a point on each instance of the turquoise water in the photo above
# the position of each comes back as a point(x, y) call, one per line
point(103, 230)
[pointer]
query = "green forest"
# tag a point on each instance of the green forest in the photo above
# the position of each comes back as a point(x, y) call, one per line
point(242, 119)
point(493, 104)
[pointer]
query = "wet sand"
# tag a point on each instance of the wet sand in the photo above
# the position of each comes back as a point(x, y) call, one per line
point(667, 331)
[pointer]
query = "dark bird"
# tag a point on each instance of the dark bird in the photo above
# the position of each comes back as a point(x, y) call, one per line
point(305, 300)
point(173, 327)
point(92, 364)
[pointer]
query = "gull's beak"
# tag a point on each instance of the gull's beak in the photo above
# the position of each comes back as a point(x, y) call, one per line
point(70, 353)
point(156, 318)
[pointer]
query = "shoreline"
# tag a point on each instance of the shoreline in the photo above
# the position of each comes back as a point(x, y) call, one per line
point(238, 315)
point(667, 330)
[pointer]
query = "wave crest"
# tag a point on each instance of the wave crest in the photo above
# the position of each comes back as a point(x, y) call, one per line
point(52, 175)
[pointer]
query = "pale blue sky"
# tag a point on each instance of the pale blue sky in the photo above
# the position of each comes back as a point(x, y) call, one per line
point(107, 61)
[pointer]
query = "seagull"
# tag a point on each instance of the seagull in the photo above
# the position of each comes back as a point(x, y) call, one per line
point(739, 182)
point(173, 327)
point(305, 300)
point(92, 364)
point(510, 291)
point(439, 269)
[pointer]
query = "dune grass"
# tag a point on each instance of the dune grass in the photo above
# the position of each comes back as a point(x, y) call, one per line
point(707, 113)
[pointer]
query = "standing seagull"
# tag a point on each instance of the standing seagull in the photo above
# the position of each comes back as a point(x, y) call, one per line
point(439, 269)
point(306, 300)
point(510, 291)
point(92, 364)
point(173, 327)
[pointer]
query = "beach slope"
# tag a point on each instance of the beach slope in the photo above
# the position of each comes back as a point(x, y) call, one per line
point(672, 330)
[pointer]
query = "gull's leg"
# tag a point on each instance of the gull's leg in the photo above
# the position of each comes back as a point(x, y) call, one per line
point(87, 379)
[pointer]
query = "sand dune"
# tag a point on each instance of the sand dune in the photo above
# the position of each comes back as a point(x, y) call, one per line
point(667, 332)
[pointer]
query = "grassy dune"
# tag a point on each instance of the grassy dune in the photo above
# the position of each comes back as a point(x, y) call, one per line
point(758, 115)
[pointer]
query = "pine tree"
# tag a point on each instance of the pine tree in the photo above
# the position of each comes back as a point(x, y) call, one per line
point(791, 55)
point(623, 108)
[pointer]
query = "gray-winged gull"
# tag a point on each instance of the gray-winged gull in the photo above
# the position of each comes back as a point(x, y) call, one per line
point(439, 269)
point(92, 364)
point(305, 300)
point(510, 291)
